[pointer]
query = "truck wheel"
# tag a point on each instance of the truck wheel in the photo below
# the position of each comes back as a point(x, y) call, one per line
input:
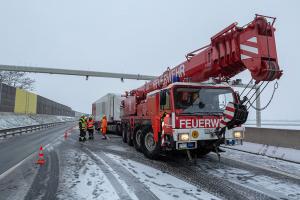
point(118, 129)
point(124, 134)
point(137, 139)
point(129, 140)
point(150, 148)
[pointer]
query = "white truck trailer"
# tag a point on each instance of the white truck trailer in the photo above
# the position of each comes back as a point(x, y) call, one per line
point(108, 105)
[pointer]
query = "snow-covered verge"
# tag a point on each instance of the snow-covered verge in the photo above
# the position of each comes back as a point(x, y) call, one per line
point(270, 151)
point(12, 120)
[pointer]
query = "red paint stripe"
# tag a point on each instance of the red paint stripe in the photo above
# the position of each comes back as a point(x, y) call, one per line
point(249, 53)
point(249, 43)
point(230, 109)
point(223, 122)
point(229, 117)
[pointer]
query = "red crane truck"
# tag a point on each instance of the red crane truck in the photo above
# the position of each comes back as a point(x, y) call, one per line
point(183, 109)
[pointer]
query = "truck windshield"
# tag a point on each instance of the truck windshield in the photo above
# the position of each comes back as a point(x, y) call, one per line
point(202, 100)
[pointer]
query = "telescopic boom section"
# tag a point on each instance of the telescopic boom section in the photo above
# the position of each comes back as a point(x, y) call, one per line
point(230, 52)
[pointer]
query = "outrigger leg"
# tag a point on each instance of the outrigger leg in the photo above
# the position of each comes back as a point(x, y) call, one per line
point(189, 155)
point(217, 152)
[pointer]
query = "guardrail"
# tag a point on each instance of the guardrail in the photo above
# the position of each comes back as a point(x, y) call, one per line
point(26, 129)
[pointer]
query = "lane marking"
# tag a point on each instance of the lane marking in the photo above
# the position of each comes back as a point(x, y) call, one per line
point(11, 169)
point(8, 171)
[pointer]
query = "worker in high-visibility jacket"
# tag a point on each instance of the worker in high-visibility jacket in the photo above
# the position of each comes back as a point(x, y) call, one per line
point(82, 128)
point(91, 127)
point(104, 127)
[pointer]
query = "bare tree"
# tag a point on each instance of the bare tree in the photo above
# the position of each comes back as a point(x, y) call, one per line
point(17, 79)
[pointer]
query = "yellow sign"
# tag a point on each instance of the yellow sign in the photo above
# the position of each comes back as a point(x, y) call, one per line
point(195, 134)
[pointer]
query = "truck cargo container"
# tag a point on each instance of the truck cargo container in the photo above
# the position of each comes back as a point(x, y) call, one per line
point(108, 105)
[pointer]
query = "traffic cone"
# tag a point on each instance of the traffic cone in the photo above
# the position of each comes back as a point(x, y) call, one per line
point(66, 134)
point(41, 159)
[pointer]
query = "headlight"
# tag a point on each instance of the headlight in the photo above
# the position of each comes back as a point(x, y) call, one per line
point(237, 134)
point(184, 137)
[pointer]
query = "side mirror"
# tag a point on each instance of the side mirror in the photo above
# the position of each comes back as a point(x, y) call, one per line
point(163, 97)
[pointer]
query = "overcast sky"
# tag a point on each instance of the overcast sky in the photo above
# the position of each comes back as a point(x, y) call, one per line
point(135, 37)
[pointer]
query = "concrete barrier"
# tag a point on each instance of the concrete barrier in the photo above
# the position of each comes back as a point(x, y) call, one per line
point(274, 137)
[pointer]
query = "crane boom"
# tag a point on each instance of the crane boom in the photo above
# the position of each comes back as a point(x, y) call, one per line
point(231, 51)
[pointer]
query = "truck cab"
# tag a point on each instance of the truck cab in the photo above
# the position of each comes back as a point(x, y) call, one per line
point(190, 113)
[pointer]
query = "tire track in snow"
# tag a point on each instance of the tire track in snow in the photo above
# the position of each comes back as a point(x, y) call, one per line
point(45, 183)
point(120, 188)
point(162, 184)
point(82, 178)
point(139, 189)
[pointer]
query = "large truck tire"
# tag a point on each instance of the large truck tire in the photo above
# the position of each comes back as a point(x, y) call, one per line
point(150, 148)
point(137, 139)
point(118, 129)
point(124, 133)
point(129, 138)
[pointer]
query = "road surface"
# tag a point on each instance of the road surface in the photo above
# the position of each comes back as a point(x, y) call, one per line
point(110, 169)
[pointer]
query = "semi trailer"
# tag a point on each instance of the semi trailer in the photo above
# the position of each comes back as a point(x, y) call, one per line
point(108, 105)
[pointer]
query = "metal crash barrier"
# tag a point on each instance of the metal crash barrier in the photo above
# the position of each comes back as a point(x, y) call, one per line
point(26, 129)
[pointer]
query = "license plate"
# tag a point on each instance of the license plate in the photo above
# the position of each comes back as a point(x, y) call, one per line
point(182, 146)
point(188, 145)
point(191, 145)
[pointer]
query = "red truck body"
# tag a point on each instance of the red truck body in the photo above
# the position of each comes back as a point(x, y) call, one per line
point(180, 110)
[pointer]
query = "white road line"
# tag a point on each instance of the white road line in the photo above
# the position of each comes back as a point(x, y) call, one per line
point(15, 166)
point(25, 159)
point(124, 185)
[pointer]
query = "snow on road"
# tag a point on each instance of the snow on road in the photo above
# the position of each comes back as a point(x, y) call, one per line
point(163, 185)
point(276, 188)
point(83, 179)
point(271, 151)
point(263, 161)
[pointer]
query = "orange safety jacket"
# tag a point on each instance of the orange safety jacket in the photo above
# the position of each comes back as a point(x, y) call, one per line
point(104, 124)
point(90, 124)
